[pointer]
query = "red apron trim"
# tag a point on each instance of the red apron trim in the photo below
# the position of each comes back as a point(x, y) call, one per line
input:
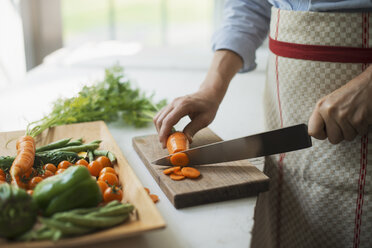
point(321, 53)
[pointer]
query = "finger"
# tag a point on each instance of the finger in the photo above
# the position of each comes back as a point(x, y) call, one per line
point(161, 117)
point(316, 125)
point(348, 132)
point(194, 126)
point(333, 130)
point(169, 121)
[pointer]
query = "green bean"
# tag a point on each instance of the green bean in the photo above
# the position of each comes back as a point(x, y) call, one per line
point(66, 228)
point(94, 222)
point(90, 156)
point(80, 148)
point(6, 162)
point(53, 145)
point(77, 142)
point(113, 211)
point(106, 153)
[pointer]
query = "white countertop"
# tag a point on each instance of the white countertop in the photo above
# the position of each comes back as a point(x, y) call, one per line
point(223, 224)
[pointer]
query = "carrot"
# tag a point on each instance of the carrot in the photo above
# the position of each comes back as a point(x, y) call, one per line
point(190, 172)
point(147, 190)
point(179, 159)
point(23, 161)
point(177, 142)
point(177, 171)
point(176, 177)
point(154, 198)
point(170, 170)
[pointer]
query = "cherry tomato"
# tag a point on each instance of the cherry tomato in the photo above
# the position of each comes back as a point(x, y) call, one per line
point(1, 181)
point(107, 170)
point(34, 181)
point(102, 185)
point(64, 164)
point(59, 171)
point(2, 178)
point(112, 193)
point(105, 161)
point(82, 162)
point(47, 173)
point(2, 173)
point(50, 167)
point(94, 168)
point(109, 178)
point(30, 191)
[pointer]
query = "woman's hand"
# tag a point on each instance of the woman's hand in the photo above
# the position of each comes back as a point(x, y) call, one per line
point(345, 112)
point(201, 107)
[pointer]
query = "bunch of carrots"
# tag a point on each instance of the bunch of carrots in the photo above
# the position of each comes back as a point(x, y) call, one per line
point(176, 143)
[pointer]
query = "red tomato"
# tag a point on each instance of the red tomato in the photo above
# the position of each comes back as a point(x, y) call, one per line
point(109, 178)
point(112, 193)
point(102, 185)
point(34, 181)
point(95, 168)
point(59, 171)
point(107, 170)
point(2, 173)
point(30, 173)
point(105, 161)
point(82, 162)
point(50, 167)
point(64, 164)
point(47, 173)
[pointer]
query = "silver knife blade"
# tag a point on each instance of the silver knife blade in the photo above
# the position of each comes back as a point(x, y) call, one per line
point(267, 143)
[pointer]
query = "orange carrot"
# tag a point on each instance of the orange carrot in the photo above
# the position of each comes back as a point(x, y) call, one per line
point(170, 170)
point(154, 198)
point(176, 177)
point(177, 171)
point(177, 142)
point(190, 172)
point(147, 190)
point(24, 159)
point(179, 159)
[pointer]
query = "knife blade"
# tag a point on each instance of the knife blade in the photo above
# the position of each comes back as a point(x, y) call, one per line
point(263, 144)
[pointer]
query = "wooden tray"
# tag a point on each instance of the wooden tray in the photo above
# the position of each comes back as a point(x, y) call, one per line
point(147, 217)
point(218, 182)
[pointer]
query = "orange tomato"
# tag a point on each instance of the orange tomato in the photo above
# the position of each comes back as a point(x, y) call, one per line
point(102, 185)
point(50, 167)
point(109, 178)
point(34, 181)
point(112, 193)
point(47, 173)
point(82, 162)
point(30, 191)
point(59, 171)
point(2, 173)
point(107, 170)
point(105, 161)
point(64, 164)
point(95, 168)
point(30, 173)
point(2, 178)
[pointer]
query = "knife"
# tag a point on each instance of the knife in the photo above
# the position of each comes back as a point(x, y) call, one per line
point(267, 143)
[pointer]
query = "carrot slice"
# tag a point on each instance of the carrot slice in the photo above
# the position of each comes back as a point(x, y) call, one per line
point(190, 172)
point(170, 170)
point(177, 142)
point(147, 190)
point(176, 177)
point(177, 171)
point(179, 159)
point(154, 198)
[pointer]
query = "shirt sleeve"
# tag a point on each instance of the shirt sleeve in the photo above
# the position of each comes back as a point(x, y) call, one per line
point(244, 28)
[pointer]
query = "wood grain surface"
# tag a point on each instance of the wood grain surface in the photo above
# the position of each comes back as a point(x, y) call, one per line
point(146, 217)
point(218, 182)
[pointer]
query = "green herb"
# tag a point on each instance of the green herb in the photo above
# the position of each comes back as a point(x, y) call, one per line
point(108, 100)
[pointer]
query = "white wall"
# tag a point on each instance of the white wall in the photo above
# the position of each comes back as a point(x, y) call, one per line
point(12, 55)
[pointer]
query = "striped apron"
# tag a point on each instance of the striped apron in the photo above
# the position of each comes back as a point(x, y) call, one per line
point(321, 196)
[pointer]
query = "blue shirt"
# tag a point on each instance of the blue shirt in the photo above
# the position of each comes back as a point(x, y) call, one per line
point(246, 22)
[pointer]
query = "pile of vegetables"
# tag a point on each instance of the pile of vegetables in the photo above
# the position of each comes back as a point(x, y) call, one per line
point(67, 178)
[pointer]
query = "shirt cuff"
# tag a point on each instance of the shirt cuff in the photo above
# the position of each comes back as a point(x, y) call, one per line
point(237, 43)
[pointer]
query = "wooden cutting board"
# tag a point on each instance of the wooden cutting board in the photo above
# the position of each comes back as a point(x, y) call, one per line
point(218, 182)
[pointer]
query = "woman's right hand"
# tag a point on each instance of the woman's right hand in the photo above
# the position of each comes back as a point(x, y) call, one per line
point(201, 107)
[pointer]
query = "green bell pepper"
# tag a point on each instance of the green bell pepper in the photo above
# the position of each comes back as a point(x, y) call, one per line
point(73, 188)
point(18, 211)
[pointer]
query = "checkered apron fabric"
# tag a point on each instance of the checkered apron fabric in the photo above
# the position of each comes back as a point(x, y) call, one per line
point(321, 196)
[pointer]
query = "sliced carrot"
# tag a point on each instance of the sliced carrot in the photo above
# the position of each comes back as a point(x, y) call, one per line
point(177, 171)
point(177, 142)
point(147, 190)
point(170, 170)
point(179, 159)
point(190, 172)
point(176, 177)
point(154, 198)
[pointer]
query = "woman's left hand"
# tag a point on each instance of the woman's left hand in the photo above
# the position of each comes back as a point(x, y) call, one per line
point(344, 113)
